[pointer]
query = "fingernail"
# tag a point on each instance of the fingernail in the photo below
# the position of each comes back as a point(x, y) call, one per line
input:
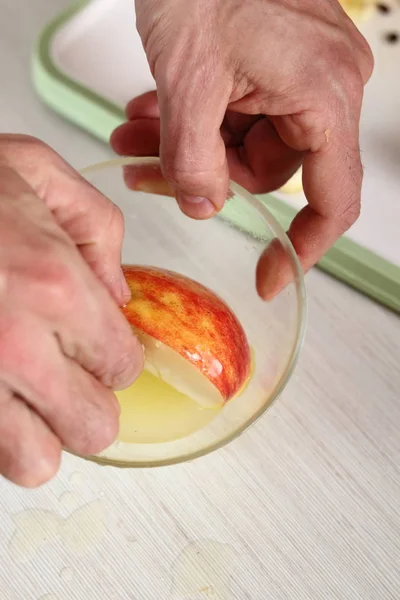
point(196, 207)
point(125, 291)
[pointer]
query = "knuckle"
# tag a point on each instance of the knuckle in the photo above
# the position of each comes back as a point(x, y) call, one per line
point(116, 221)
point(368, 60)
point(340, 57)
point(35, 143)
point(15, 139)
point(28, 153)
point(16, 144)
point(100, 434)
point(178, 176)
point(348, 210)
point(122, 360)
point(37, 148)
point(102, 440)
point(366, 57)
point(129, 365)
point(56, 285)
point(349, 213)
point(352, 80)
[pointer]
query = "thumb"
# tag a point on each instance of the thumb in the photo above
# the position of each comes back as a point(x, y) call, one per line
point(192, 152)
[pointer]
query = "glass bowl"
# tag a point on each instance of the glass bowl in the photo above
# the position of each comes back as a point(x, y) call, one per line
point(221, 253)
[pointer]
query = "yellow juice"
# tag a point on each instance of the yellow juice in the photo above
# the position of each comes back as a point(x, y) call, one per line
point(152, 412)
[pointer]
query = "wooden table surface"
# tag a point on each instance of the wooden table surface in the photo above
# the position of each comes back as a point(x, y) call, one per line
point(304, 506)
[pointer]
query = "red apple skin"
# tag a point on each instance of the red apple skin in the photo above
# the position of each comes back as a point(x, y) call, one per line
point(193, 321)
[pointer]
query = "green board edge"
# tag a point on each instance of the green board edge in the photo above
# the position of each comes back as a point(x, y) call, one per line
point(346, 261)
point(65, 96)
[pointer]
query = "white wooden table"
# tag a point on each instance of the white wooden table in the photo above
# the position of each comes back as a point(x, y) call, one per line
point(305, 506)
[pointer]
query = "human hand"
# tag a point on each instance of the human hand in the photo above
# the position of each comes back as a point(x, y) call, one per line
point(252, 90)
point(64, 343)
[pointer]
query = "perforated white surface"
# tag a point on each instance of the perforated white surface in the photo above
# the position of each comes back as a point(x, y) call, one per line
point(101, 49)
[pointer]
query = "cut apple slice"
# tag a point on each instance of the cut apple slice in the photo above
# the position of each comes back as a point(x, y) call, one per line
point(191, 338)
point(168, 365)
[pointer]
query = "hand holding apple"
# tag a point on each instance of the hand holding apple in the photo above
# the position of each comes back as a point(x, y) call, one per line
point(64, 343)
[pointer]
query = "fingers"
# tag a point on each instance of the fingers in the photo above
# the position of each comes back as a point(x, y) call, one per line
point(88, 325)
point(262, 162)
point(79, 410)
point(192, 153)
point(145, 178)
point(263, 155)
point(140, 137)
point(91, 220)
point(311, 234)
point(143, 106)
point(84, 415)
point(29, 451)
point(45, 275)
point(95, 335)
point(258, 159)
point(332, 175)
point(189, 142)
point(97, 228)
point(332, 180)
point(274, 270)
